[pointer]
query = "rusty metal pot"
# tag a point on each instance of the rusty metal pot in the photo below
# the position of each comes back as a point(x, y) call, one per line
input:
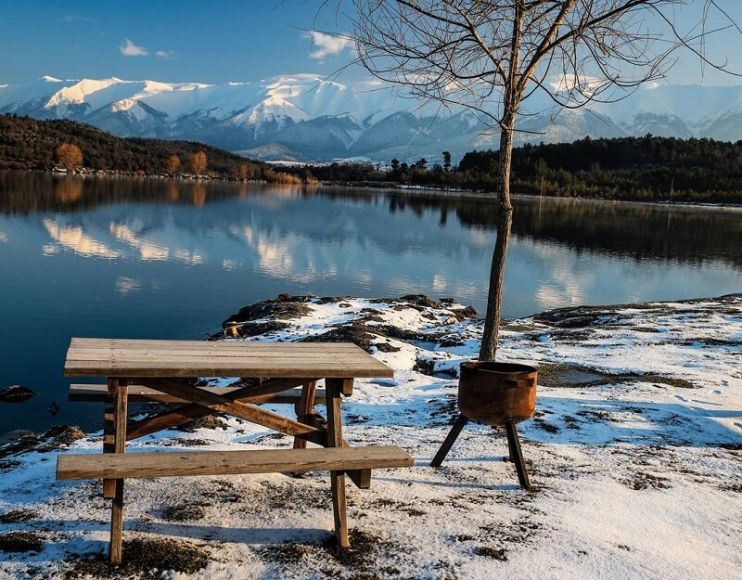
point(497, 393)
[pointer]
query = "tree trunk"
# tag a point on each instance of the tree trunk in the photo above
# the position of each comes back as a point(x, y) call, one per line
point(511, 102)
point(490, 333)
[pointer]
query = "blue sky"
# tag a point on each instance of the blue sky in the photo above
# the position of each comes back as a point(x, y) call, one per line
point(207, 41)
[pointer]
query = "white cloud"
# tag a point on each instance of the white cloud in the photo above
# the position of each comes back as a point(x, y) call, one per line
point(131, 49)
point(163, 54)
point(324, 45)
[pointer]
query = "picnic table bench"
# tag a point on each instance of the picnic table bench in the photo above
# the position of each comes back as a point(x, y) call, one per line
point(165, 371)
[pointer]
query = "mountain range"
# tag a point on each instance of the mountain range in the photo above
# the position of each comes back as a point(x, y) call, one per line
point(306, 117)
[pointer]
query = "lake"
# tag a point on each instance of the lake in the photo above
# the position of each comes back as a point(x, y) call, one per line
point(165, 259)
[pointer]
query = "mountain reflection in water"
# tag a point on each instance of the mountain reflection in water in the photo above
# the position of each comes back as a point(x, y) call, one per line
point(156, 258)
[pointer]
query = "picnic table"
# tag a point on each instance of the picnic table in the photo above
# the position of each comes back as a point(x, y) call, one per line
point(166, 371)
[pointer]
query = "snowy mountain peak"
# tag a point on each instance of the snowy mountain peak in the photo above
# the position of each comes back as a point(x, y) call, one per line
point(80, 91)
point(308, 117)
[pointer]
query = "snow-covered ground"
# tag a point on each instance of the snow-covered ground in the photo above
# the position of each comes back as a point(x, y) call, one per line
point(634, 453)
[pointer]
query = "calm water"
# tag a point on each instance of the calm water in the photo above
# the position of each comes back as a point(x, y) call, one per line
point(152, 259)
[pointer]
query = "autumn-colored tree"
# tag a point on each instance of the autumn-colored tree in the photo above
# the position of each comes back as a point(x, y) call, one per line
point(244, 171)
point(198, 162)
point(69, 155)
point(173, 164)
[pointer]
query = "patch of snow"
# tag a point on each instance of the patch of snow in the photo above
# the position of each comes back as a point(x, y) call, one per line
point(633, 452)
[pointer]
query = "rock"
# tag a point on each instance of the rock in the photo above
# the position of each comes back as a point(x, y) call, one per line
point(64, 434)
point(420, 300)
point(333, 299)
point(356, 332)
point(19, 444)
point(282, 308)
point(386, 347)
point(208, 422)
point(466, 313)
point(19, 515)
point(20, 542)
point(248, 329)
point(16, 394)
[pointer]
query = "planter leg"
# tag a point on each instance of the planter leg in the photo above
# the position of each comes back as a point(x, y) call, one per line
point(511, 452)
point(517, 456)
point(458, 425)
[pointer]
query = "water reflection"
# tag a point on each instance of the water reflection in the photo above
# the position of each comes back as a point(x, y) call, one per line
point(291, 233)
point(68, 189)
point(639, 231)
point(74, 238)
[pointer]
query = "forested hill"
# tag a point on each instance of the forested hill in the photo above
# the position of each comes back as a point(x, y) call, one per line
point(636, 167)
point(631, 168)
point(27, 143)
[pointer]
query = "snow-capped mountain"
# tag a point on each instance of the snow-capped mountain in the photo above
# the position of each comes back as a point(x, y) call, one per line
point(308, 118)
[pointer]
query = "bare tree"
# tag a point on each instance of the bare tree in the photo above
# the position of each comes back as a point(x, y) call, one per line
point(490, 56)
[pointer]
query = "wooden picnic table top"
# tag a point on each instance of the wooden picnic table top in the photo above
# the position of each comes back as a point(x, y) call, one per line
point(137, 358)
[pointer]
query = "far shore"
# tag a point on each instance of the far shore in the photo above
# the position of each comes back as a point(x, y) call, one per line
point(370, 187)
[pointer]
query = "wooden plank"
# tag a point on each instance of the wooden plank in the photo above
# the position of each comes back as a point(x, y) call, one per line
point(346, 387)
point(92, 393)
point(215, 403)
point(148, 344)
point(169, 464)
point(337, 478)
point(199, 356)
point(179, 416)
point(165, 420)
point(149, 358)
point(273, 386)
point(261, 368)
point(361, 478)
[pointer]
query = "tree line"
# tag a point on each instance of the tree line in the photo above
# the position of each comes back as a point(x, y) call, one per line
point(628, 168)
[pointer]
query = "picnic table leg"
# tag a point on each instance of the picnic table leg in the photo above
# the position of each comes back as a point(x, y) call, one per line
point(304, 408)
point(120, 416)
point(333, 389)
point(109, 445)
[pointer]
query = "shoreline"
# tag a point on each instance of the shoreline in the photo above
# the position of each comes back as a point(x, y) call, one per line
point(410, 191)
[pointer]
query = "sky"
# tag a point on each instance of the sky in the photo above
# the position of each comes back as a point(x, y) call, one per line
point(214, 41)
